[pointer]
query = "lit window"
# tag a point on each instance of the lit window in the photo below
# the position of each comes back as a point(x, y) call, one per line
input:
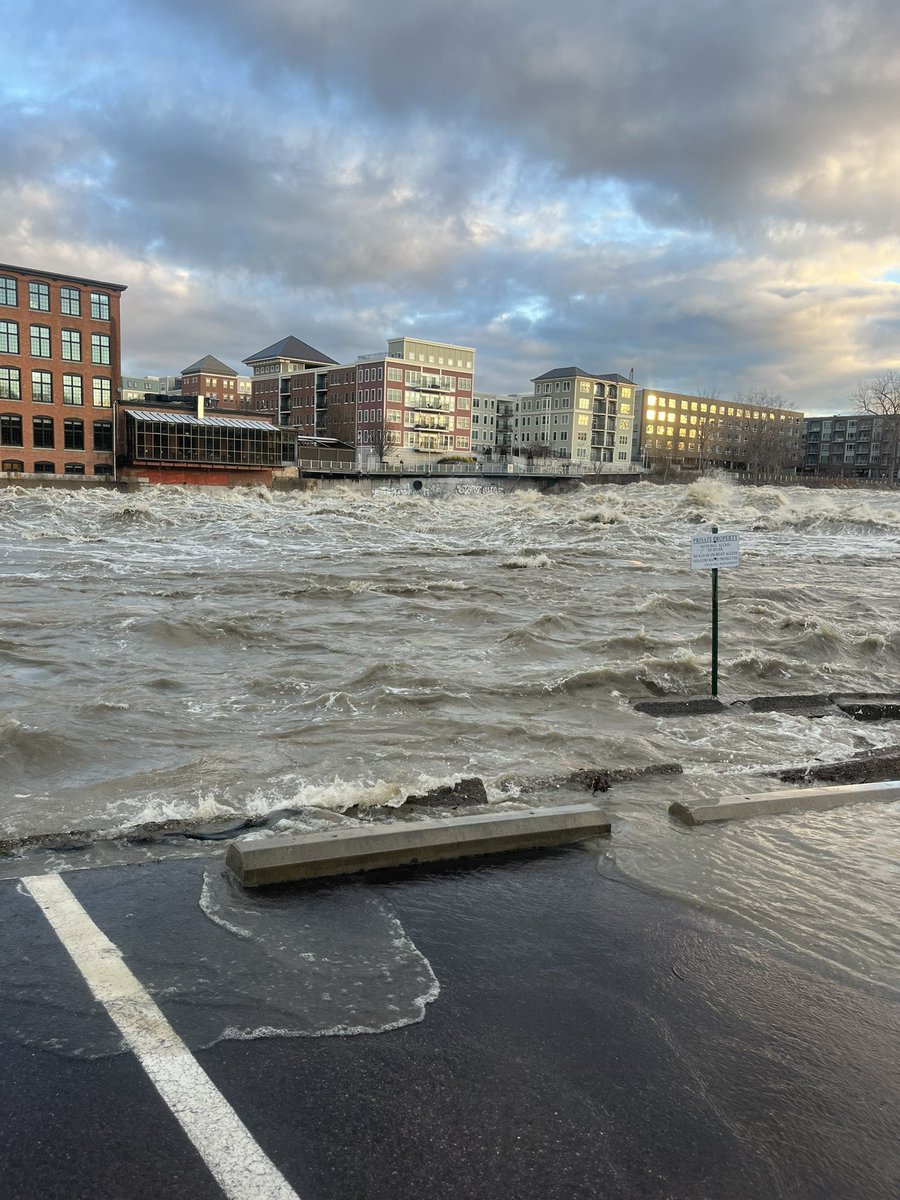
point(102, 393)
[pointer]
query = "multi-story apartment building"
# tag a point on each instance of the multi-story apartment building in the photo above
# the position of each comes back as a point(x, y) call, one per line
point(855, 445)
point(413, 398)
point(215, 381)
point(60, 370)
point(485, 409)
point(507, 407)
point(137, 387)
point(697, 432)
point(578, 415)
point(272, 371)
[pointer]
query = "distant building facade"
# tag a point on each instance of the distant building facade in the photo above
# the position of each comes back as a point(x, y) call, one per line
point(215, 381)
point(698, 432)
point(137, 387)
point(855, 445)
point(578, 415)
point(185, 443)
point(60, 372)
point(486, 408)
point(272, 370)
point(413, 398)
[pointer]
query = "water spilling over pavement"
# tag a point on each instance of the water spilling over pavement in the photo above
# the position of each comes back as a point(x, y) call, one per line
point(211, 655)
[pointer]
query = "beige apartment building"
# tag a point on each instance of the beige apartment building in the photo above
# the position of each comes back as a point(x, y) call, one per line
point(697, 432)
point(577, 415)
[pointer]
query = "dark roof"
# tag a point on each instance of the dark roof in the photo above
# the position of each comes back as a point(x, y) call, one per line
point(571, 372)
point(209, 366)
point(290, 347)
point(115, 287)
point(564, 373)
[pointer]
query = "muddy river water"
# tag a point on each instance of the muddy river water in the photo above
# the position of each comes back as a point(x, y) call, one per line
point(182, 653)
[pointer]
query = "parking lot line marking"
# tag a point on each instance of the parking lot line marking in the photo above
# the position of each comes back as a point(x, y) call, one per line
point(239, 1166)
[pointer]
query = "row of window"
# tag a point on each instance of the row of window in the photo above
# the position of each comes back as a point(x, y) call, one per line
point(15, 466)
point(39, 341)
point(42, 388)
point(39, 298)
point(43, 433)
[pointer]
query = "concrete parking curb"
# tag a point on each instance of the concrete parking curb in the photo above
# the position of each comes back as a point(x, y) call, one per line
point(820, 799)
point(257, 861)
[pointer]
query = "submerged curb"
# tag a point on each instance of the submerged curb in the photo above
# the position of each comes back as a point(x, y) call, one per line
point(789, 800)
point(258, 861)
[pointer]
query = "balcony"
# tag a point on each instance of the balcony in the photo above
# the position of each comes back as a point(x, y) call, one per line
point(427, 403)
point(433, 383)
point(436, 425)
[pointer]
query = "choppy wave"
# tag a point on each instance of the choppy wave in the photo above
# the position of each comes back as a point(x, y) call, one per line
point(217, 655)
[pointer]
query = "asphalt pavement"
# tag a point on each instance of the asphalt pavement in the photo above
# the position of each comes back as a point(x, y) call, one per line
point(588, 1040)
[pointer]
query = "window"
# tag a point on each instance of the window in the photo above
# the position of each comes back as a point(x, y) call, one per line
point(8, 291)
point(44, 468)
point(42, 433)
point(74, 468)
point(9, 337)
point(40, 341)
point(10, 430)
point(70, 302)
point(100, 348)
point(99, 306)
point(102, 393)
point(72, 393)
point(10, 383)
point(12, 465)
point(103, 436)
point(103, 469)
point(39, 296)
point(71, 345)
point(73, 435)
point(42, 387)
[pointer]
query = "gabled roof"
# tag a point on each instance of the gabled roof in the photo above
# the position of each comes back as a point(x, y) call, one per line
point(614, 377)
point(209, 366)
point(564, 373)
point(290, 347)
point(571, 372)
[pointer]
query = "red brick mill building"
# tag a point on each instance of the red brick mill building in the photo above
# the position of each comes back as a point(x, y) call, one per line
point(60, 372)
point(60, 414)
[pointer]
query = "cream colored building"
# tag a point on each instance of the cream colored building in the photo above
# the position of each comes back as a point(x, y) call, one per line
point(578, 415)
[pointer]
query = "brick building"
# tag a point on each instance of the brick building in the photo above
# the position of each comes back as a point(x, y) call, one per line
point(214, 380)
point(272, 371)
point(60, 372)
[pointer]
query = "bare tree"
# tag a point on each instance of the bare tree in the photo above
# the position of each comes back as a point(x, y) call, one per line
point(766, 446)
point(880, 397)
point(383, 441)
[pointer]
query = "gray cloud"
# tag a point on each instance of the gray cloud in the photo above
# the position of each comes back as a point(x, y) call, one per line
point(707, 195)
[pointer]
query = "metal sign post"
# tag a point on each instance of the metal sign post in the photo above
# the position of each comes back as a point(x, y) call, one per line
point(709, 552)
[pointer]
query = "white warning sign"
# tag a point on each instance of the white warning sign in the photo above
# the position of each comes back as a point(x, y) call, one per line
point(709, 550)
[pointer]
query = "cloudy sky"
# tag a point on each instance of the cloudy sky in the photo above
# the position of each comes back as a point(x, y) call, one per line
point(705, 191)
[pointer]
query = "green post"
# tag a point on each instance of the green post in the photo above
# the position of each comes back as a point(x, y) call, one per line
point(715, 625)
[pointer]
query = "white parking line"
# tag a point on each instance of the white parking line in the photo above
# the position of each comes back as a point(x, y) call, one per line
point(239, 1166)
